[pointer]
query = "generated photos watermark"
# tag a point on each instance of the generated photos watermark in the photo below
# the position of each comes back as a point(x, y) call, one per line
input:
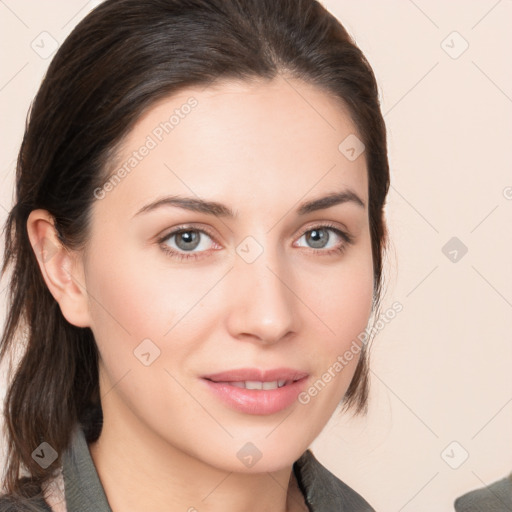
point(344, 359)
point(156, 136)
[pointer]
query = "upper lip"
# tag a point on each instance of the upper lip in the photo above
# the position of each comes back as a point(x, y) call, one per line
point(256, 374)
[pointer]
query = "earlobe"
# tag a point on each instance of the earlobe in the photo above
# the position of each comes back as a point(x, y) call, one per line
point(61, 268)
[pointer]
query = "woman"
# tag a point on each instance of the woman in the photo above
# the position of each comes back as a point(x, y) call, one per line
point(196, 250)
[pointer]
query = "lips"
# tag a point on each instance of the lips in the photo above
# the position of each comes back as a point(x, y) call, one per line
point(254, 391)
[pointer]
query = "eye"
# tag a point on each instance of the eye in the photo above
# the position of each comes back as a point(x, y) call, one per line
point(182, 241)
point(318, 238)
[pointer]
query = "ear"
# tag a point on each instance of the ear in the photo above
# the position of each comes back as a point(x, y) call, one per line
point(62, 269)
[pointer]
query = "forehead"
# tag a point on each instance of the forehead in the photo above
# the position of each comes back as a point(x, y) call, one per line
point(254, 142)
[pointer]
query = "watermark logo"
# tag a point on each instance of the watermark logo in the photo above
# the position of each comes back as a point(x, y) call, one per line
point(146, 352)
point(45, 250)
point(454, 249)
point(44, 454)
point(454, 45)
point(249, 249)
point(249, 454)
point(44, 45)
point(352, 147)
point(455, 455)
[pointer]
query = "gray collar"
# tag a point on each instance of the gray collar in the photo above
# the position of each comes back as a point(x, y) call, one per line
point(83, 489)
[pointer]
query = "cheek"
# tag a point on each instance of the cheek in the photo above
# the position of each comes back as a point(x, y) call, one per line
point(134, 297)
point(343, 303)
point(133, 307)
point(343, 300)
point(344, 309)
point(128, 292)
point(124, 310)
point(350, 308)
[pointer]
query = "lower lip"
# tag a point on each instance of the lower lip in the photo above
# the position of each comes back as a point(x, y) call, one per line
point(257, 401)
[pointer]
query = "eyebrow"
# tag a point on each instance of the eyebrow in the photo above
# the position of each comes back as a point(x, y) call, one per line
point(196, 204)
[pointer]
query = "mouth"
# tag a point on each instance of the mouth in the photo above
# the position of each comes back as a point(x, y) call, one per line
point(254, 384)
point(254, 391)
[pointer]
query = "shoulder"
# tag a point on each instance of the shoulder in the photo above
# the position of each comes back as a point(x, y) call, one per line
point(10, 504)
point(496, 497)
point(325, 491)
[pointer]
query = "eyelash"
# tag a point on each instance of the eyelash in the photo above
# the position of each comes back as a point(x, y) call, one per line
point(347, 240)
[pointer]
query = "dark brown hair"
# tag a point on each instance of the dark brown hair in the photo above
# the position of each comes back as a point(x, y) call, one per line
point(119, 60)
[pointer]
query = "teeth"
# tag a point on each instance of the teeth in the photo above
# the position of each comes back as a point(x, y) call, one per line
point(254, 384)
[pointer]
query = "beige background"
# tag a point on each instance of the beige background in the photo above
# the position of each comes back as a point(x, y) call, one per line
point(442, 367)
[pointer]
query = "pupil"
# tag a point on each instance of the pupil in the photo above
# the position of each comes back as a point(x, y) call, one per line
point(188, 238)
point(317, 236)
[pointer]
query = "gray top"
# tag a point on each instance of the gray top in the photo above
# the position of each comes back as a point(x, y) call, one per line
point(496, 497)
point(322, 490)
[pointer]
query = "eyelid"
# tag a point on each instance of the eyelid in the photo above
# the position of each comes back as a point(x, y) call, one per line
point(344, 232)
point(302, 232)
point(184, 227)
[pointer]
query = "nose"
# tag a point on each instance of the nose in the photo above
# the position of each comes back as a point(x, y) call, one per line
point(262, 306)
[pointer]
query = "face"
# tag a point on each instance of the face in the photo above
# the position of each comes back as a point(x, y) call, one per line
point(241, 282)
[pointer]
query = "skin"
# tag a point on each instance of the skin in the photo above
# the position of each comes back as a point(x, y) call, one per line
point(167, 442)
